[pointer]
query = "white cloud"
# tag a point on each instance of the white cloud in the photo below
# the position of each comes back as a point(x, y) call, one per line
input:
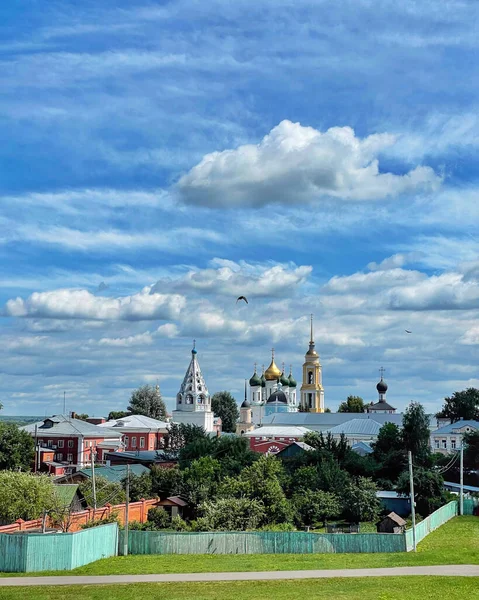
point(142, 339)
point(295, 164)
point(81, 304)
point(394, 261)
point(168, 330)
point(235, 279)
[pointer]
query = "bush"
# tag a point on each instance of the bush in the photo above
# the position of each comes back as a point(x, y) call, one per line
point(178, 524)
point(24, 496)
point(158, 517)
point(113, 518)
point(278, 527)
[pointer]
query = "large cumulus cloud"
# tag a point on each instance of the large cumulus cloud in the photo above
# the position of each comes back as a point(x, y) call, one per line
point(295, 164)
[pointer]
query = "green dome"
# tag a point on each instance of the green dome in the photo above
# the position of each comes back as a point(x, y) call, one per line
point(255, 380)
point(284, 380)
point(263, 380)
point(292, 381)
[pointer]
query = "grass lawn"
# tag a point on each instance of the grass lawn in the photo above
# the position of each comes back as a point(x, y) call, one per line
point(374, 588)
point(456, 542)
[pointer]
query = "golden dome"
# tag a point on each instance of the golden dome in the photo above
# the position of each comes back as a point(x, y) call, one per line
point(272, 372)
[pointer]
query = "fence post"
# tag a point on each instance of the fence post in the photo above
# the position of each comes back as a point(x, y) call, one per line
point(142, 510)
point(20, 523)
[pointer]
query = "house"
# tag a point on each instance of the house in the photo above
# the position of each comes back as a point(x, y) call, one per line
point(357, 430)
point(174, 506)
point(72, 441)
point(69, 497)
point(395, 502)
point(392, 523)
point(448, 438)
point(271, 440)
point(139, 432)
point(362, 448)
point(114, 473)
point(294, 449)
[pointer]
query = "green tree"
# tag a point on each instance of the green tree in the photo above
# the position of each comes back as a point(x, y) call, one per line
point(24, 496)
point(200, 481)
point(389, 453)
point(166, 482)
point(429, 491)
point(353, 404)
point(180, 435)
point(81, 416)
point(107, 492)
point(461, 405)
point(471, 450)
point(262, 481)
point(312, 507)
point(159, 518)
point(16, 448)
point(141, 486)
point(416, 433)
point(224, 406)
point(232, 514)
point(360, 500)
point(113, 415)
point(147, 401)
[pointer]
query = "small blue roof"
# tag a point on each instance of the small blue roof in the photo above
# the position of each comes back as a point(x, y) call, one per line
point(467, 488)
point(362, 447)
point(115, 473)
point(453, 427)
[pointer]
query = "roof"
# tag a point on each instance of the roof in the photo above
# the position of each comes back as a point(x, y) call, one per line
point(146, 455)
point(396, 518)
point(360, 447)
point(323, 421)
point(65, 492)
point(467, 488)
point(176, 500)
point(302, 445)
point(114, 473)
point(381, 405)
point(67, 426)
point(357, 427)
point(453, 427)
point(390, 495)
point(135, 422)
point(277, 432)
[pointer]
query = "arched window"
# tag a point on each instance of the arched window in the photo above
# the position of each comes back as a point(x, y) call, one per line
point(189, 399)
point(201, 399)
point(310, 377)
point(179, 398)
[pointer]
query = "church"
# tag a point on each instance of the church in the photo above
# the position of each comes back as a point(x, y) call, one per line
point(274, 392)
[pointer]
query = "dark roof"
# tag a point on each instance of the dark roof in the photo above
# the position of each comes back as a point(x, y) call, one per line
point(396, 518)
point(278, 396)
point(66, 426)
point(176, 500)
point(381, 405)
point(145, 455)
point(245, 404)
point(115, 473)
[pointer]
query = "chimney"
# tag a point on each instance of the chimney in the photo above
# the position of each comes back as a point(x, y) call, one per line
point(73, 415)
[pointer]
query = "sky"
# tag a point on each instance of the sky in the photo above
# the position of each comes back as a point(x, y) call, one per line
point(159, 159)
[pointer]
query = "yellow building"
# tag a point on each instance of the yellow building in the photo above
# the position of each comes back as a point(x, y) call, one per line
point(312, 392)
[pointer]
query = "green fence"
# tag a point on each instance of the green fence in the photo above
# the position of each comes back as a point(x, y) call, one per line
point(470, 505)
point(29, 552)
point(261, 542)
point(432, 522)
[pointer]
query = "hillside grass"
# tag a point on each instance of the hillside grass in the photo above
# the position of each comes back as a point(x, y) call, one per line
point(374, 588)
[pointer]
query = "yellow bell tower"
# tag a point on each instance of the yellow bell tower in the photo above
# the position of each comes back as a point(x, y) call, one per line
point(312, 392)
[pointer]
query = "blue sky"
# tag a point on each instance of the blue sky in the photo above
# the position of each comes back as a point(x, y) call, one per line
point(159, 159)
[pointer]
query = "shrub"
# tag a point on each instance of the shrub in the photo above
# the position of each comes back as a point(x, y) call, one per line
point(113, 518)
point(159, 517)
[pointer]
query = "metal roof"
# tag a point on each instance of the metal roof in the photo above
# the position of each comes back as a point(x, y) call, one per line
point(324, 421)
point(67, 426)
point(136, 422)
point(277, 432)
point(357, 427)
point(453, 427)
point(362, 447)
point(115, 473)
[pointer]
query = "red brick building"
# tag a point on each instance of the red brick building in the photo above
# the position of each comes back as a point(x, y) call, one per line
point(63, 441)
point(139, 432)
point(271, 440)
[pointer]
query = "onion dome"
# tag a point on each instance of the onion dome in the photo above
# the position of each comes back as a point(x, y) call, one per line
point(284, 380)
point(263, 380)
point(272, 373)
point(255, 380)
point(194, 351)
point(245, 404)
point(278, 397)
point(292, 380)
point(382, 386)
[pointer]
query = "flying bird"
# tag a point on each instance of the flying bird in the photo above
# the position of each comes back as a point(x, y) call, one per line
point(407, 331)
point(242, 298)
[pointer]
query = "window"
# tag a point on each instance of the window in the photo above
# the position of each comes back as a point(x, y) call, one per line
point(50, 443)
point(70, 457)
point(60, 443)
point(59, 456)
point(453, 444)
point(133, 442)
point(310, 400)
point(70, 443)
point(444, 444)
point(142, 442)
point(436, 443)
point(127, 440)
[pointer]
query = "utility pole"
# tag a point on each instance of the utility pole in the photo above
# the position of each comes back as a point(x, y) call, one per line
point(93, 482)
point(127, 506)
point(461, 482)
point(413, 507)
point(36, 449)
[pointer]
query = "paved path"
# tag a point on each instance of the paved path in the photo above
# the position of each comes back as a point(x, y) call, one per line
point(446, 570)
